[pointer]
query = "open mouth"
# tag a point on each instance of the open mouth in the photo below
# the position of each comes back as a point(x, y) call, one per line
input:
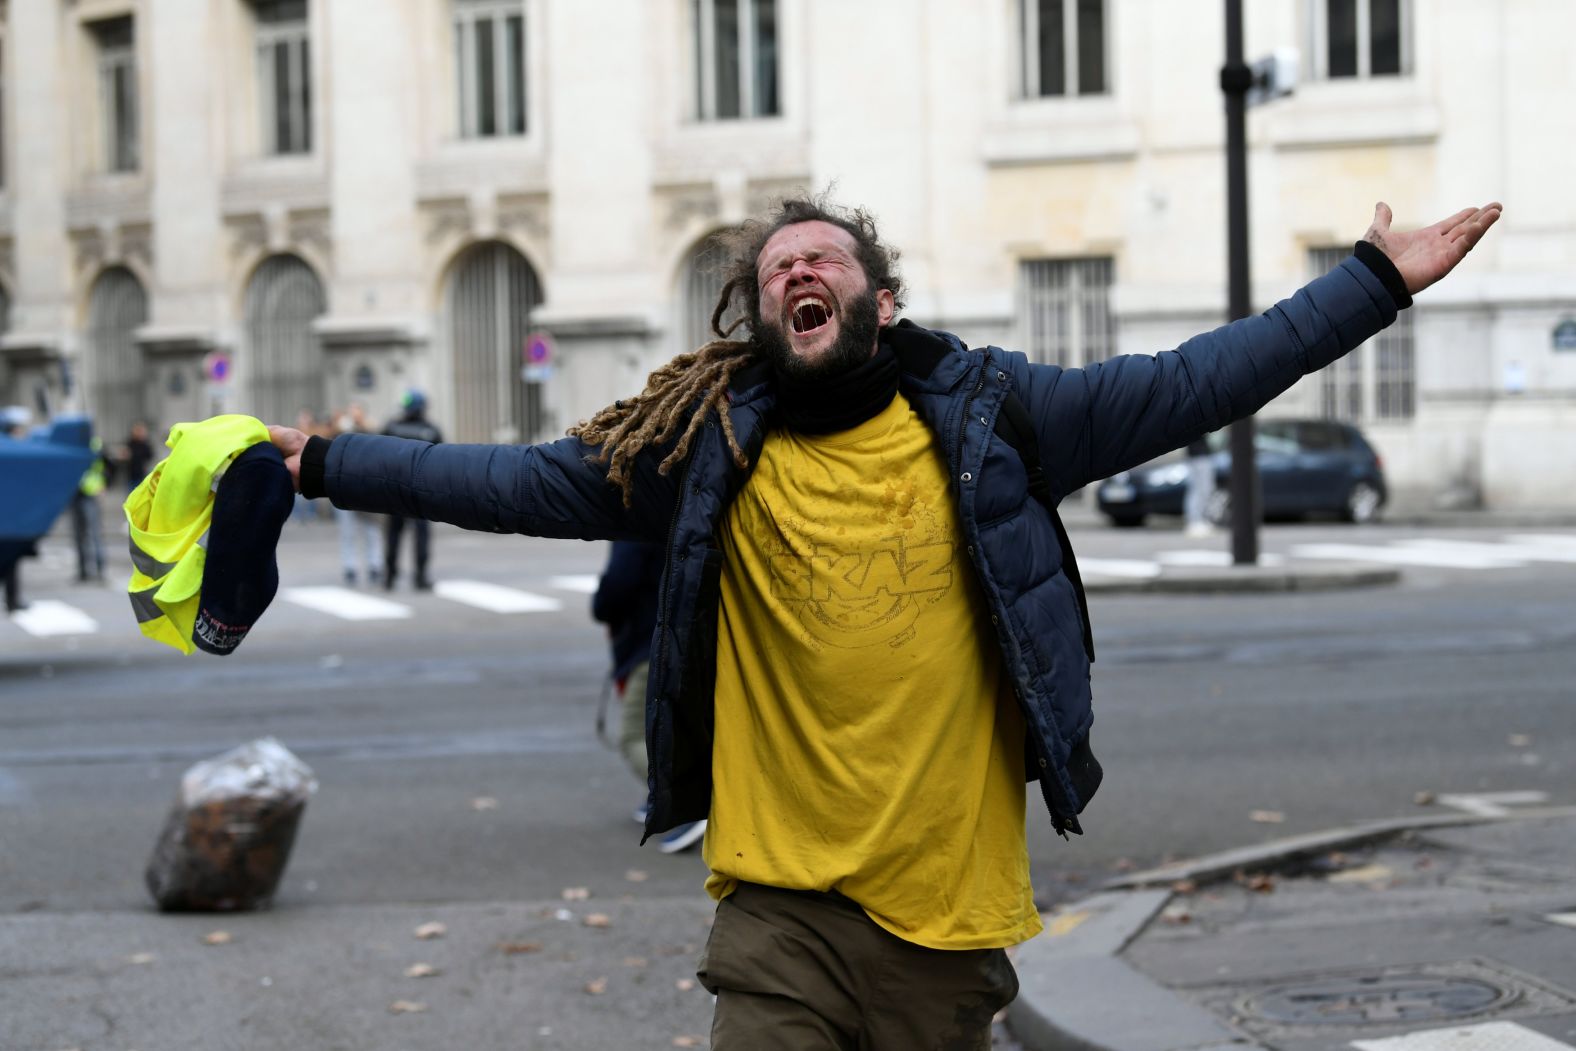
point(809, 314)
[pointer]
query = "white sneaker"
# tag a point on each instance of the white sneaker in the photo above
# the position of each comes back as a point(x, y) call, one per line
point(682, 838)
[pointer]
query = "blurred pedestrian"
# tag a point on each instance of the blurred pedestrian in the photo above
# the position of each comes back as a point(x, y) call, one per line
point(361, 529)
point(411, 423)
point(87, 518)
point(870, 629)
point(1200, 488)
point(626, 601)
point(136, 455)
point(13, 425)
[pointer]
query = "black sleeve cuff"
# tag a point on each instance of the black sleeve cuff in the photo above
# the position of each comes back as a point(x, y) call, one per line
point(314, 459)
point(1370, 256)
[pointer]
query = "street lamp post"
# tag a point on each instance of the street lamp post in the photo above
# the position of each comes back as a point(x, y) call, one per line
point(1235, 81)
point(1244, 86)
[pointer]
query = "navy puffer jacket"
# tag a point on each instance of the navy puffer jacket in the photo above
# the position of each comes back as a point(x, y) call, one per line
point(1091, 423)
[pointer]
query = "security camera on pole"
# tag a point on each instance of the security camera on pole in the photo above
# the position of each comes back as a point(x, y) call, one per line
point(1245, 86)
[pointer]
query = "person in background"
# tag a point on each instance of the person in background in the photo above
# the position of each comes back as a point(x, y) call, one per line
point(358, 528)
point(13, 424)
point(411, 423)
point(1200, 487)
point(626, 601)
point(87, 519)
point(137, 455)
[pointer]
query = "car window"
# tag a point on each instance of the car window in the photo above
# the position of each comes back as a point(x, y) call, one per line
point(1318, 437)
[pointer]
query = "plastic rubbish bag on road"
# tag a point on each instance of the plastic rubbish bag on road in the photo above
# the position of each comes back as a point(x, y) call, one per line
point(228, 837)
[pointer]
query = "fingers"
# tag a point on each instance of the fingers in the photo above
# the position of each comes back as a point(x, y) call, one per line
point(1473, 228)
point(1382, 217)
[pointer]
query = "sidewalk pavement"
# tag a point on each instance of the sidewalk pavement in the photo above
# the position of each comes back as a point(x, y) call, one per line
point(1455, 932)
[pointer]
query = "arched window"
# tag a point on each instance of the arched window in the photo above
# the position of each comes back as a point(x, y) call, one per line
point(491, 293)
point(284, 360)
point(700, 284)
point(117, 391)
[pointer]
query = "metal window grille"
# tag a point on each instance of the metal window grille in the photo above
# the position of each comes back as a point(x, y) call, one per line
point(284, 358)
point(1360, 38)
point(736, 59)
point(1065, 47)
point(117, 83)
point(491, 294)
point(1364, 385)
point(117, 307)
point(489, 60)
point(1065, 310)
point(700, 287)
point(284, 76)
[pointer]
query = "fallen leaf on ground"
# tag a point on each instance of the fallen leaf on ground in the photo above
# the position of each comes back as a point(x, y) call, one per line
point(420, 970)
point(575, 893)
point(517, 948)
point(141, 957)
point(684, 985)
point(1266, 817)
point(1361, 874)
point(1519, 740)
point(428, 931)
point(636, 876)
point(484, 803)
point(1177, 914)
point(217, 938)
point(598, 919)
point(687, 1041)
point(1423, 798)
point(596, 986)
point(1259, 882)
point(1184, 886)
point(407, 1007)
point(634, 961)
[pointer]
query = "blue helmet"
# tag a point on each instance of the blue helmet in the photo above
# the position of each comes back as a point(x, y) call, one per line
point(413, 401)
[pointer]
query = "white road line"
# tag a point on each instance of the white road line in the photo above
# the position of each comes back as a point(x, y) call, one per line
point(1489, 1036)
point(1200, 557)
point(1559, 541)
point(494, 598)
point(1518, 551)
point(346, 604)
point(1405, 556)
point(45, 617)
point(1491, 804)
point(584, 583)
point(1564, 919)
point(1118, 567)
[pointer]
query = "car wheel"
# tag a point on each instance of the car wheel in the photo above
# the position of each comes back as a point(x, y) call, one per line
point(1127, 521)
point(1218, 507)
point(1363, 502)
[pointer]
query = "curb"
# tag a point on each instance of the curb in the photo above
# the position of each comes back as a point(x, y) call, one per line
point(1076, 993)
point(1250, 580)
point(1291, 848)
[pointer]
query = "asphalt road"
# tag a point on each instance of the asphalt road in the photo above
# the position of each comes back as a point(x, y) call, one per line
point(1322, 709)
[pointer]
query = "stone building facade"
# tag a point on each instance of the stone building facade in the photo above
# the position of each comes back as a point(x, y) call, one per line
point(324, 201)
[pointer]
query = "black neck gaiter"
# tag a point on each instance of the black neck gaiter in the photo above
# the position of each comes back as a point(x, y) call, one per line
point(826, 405)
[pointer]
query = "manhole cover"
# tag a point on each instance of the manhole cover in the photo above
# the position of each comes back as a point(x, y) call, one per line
point(1375, 1000)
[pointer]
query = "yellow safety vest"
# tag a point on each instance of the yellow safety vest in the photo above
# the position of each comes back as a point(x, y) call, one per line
point(168, 515)
point(92, 482)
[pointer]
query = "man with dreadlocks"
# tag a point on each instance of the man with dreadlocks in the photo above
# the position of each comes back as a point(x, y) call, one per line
point(866, 638)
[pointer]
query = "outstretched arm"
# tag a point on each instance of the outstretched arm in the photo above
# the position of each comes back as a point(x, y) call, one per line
point(1117, 414)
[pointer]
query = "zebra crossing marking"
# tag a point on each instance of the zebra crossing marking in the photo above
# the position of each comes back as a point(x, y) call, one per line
point(494, 598)
point(1492, 804)
point(1129, 568)
point(583, 583)
point(1430, 557)
point(346, 604)
point(1487, 1036)
point(47, 617)
point(1522, 551)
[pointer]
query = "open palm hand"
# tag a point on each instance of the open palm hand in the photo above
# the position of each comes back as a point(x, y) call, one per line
point(1424, 256)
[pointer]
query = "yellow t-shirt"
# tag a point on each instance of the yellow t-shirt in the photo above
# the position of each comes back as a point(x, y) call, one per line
point(865, 740)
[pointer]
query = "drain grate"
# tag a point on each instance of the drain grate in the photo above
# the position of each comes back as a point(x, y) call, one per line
point(1376, 1000)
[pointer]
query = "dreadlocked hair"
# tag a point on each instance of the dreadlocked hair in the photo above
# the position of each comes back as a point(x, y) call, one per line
point(684, 391)
point(691, 385)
